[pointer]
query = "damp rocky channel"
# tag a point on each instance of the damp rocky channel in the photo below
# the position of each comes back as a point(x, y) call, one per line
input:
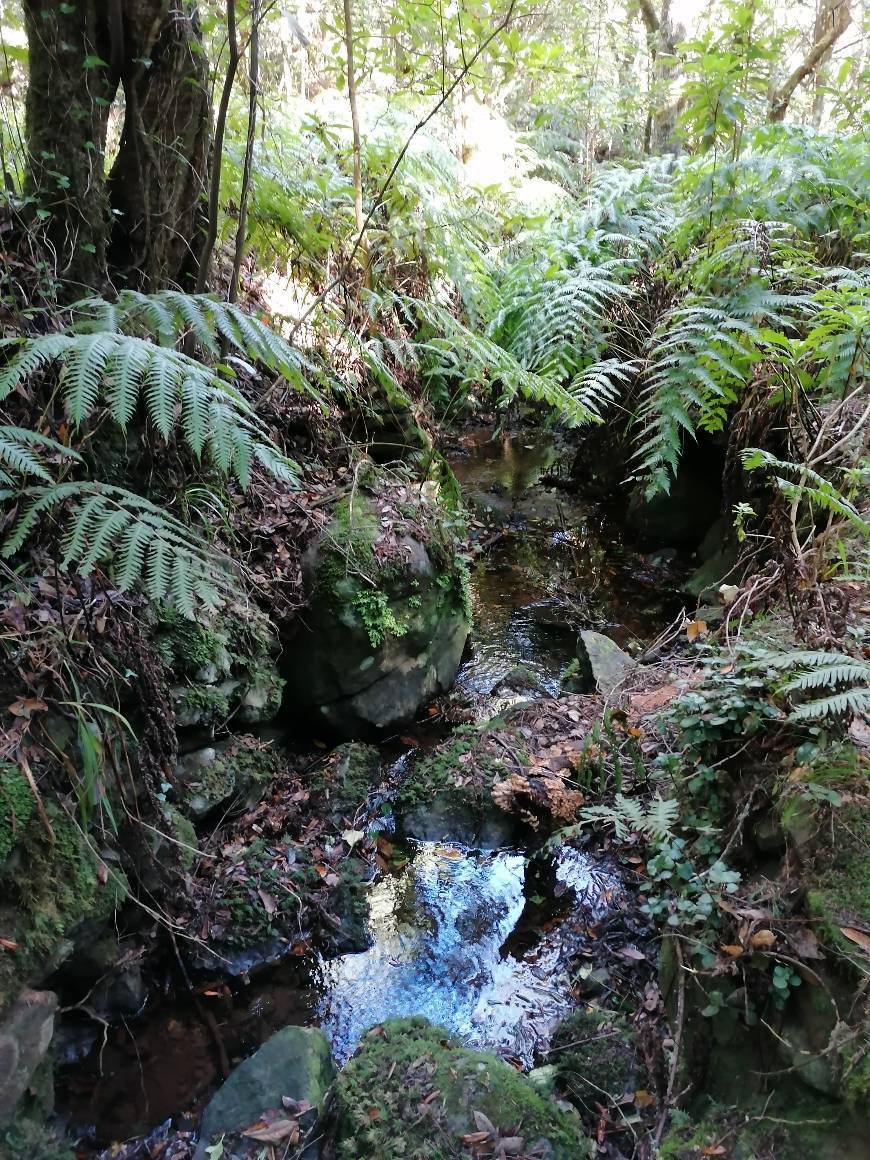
point(476, 939)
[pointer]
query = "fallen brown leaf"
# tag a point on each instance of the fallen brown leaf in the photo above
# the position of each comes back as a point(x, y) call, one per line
point(858, 937)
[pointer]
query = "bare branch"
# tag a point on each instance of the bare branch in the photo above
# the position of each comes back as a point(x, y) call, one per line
point(841, 19)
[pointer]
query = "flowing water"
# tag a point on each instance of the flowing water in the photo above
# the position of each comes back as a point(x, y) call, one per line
point(478, 941)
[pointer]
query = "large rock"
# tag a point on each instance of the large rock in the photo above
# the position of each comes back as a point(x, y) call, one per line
point(295, 1063)
point(603, 661)
point(25, 1035)
point(411, 1092)
point(387, 618)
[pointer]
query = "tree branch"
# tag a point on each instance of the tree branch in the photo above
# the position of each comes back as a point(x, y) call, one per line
point(841, 21)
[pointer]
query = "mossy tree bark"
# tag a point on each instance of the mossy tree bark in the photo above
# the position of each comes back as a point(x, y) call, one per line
point(67, 114)
point(157, 182)
point(140, 225)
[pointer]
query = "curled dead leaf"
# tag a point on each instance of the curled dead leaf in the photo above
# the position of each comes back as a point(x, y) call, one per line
point(762, 940)
point(858, 937)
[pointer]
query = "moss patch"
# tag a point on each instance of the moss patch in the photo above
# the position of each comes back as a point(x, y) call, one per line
point(17, 806)
point(594, 1053)
point(25, 1139)
point(48, 889)
point(380, 1099)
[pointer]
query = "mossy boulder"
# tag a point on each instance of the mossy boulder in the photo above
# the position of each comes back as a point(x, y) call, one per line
point(295, 1064)
point(50, 885)
point(234, 773)
point(221, 667)
point(447, 793)
point(388, 613)
point(595, 1057)
point(411, 1093)
point(346, 778)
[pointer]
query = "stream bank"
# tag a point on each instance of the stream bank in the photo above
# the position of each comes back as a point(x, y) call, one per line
point(418, 877)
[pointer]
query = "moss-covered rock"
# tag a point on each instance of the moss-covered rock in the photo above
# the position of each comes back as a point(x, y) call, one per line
point(346, 778)
point(48, 887)
point(410, 1093)
point(234, 773)
point(388, 610)
point(295, 1064)
point(28, 1139)
point(448, 792)
point(222, 667)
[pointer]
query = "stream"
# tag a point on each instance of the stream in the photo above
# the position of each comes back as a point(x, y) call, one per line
point(479, 941)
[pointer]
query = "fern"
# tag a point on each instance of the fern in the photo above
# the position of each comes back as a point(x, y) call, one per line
point(170, 316)
point(846, 676)
point(20, 450)
point(144, 544)
point(628, 815)
point(119, 370)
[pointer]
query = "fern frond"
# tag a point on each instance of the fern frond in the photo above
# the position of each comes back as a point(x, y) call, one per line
point(19, 448)
point(141, 542)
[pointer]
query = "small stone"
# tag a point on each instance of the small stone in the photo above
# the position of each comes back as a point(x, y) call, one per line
point(25, 1035)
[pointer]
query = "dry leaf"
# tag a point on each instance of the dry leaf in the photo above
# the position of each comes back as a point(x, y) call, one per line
point(733, 950)
point(762, 940)
point(277, 1133)
point(643, 1099)
point(697, 630)
point(269, 903)
point(353, 836)
point(857, 936)
point(632, 953)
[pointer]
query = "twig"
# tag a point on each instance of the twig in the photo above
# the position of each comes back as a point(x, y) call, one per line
point(678, 1040)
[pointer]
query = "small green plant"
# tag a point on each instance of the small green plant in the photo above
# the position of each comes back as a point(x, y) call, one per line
point(378, 618)
point(681, 892)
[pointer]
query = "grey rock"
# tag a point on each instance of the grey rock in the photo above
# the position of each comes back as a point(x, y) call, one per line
point(25, 1035)
point(481, 826)
point(331, 666)
point(296, 1062)
point(604, 660)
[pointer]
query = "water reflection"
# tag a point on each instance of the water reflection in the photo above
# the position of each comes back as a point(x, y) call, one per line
point(438, 927)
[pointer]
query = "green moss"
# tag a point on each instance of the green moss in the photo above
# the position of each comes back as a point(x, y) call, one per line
point(380, 1094)
point(48, 889)
point(17, 805)
point(203, 705)
point(185, 645)
point(855, 1062)
point(25, 1139)
point(839, 880)
point(594, 1052)
point(444, 773)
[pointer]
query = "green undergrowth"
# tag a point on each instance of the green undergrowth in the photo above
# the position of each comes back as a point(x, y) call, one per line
point(464, 768)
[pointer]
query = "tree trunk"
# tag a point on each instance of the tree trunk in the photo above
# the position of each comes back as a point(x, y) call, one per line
point(68, 97)
point(662, 40)
point(141, 226)
point(156, 186)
